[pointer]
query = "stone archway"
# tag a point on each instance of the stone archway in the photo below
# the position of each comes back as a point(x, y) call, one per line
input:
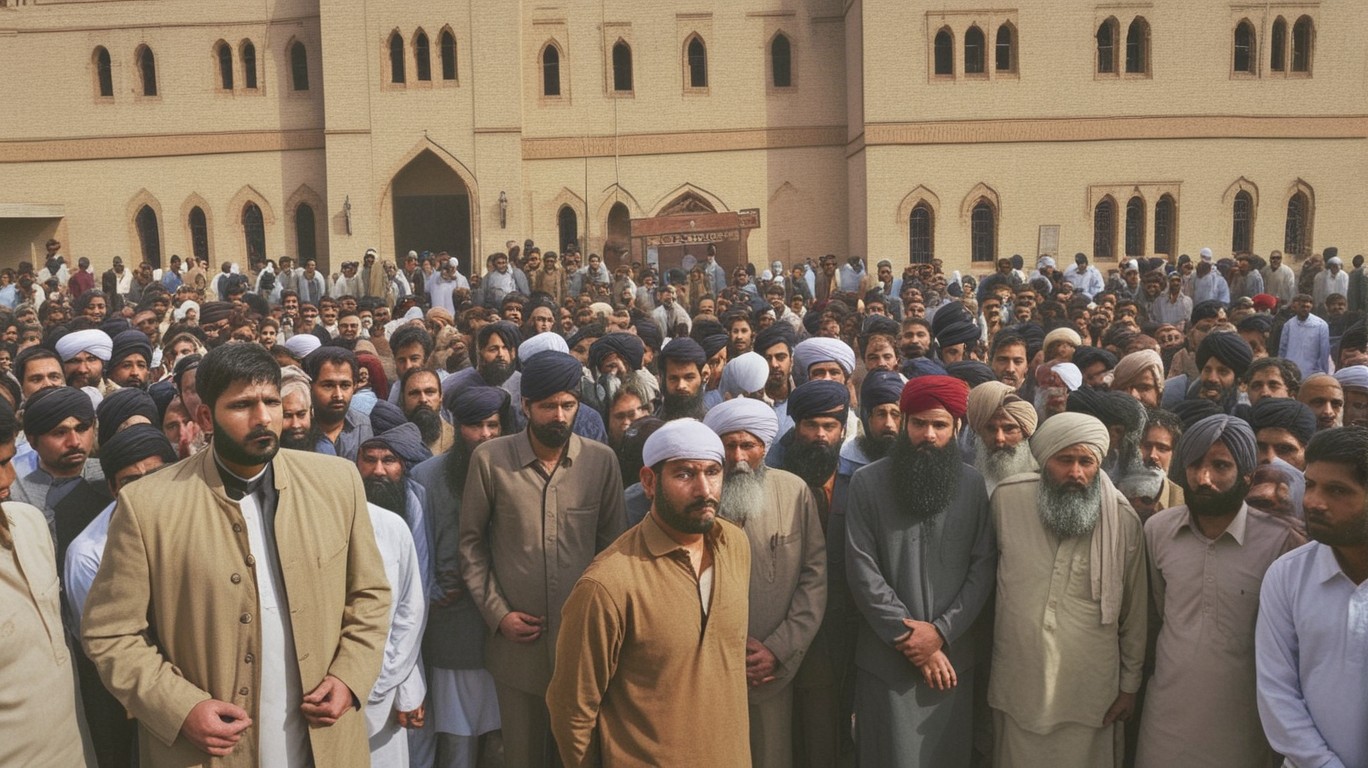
point(430, 205)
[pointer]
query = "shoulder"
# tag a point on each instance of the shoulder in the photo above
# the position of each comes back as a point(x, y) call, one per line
point(428, 469)
point(783, 481)
point(26, 516)
point(1163, 523)
point(1289, 566)
point(312, 465)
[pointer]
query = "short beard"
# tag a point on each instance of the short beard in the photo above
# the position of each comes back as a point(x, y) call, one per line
point(813, 462)
point(246, 454)
point(551, 435)
point(925, 478)
point(682, 406)
point(1206, 504)
point(428, 421)
point(743, 493)
point(875, 447)
point(387, 494)
point(496, 373)
point(295, 440)
point(1068, 510)
point(999, 464)
point(678, 518)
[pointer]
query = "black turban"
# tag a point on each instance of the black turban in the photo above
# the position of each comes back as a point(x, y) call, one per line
point(1206, 310)
point(121, 405)
point(1192, 411)
point(114, 326)
point(704, 327)
point(163, 392)
point(1256, 322)
point(214, 311)
point(779, 333)
point(683, 350)
point(587, 331)
point(507, 331)
point(714, 343)
point(132, 445)
point(1113, 409)
point(1085, 356)
point(130, 343)
point(406, 442)
point(649, 333)
point(812, 322)
point(880, 324)
point(551, 373)
point(922, 366)
point(971, 372)
point(1229, 348)
point(185, 364)
point(1284, 413)
point(472, 405)
point(880, 388)
point(1031, 333)
point(948, 315)
point(628, 347)
point(385, 416)
point(48, 408)
point(819, 398)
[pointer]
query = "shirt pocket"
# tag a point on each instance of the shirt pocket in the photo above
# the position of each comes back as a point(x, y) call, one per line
point(785, 556)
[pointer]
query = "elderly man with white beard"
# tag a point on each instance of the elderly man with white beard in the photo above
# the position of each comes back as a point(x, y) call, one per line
point(920, 558)
point(788, 581)
point(1069, 632)
point(1002, 424)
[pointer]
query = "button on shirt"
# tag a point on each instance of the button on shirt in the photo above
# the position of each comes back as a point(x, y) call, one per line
point(1312, 653)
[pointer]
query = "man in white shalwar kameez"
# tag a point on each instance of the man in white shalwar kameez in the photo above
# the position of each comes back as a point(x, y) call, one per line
point(396, 701)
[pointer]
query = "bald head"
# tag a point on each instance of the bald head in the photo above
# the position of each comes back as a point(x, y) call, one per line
point(1325, 397)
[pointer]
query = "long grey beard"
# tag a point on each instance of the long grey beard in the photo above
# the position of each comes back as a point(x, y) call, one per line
point(743, 493)
point(1069, 512)
point(996, 466)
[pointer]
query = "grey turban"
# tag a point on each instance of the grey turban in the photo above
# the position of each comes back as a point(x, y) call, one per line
point(682, 439)
point(744, 374)
point(820, 349)
point(1199, 438)
point(1065, 429)
point(744, 414)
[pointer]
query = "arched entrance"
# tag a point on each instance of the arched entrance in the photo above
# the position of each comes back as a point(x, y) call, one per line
point(431, 206)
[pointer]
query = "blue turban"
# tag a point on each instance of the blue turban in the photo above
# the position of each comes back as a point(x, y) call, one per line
point(406, 442)
point(1198, 439)
point(714, 343)
point(472, 405)
point(819, 397)
point(119, 406)
point(683, 350)
point(550, 373)
point(649, 333)
point(779, 333)
point(132, 445)
point(630, 348)
point(922, 366)
point(385, 416)
point(47, 408)
point(130, 343)
point(881, 388)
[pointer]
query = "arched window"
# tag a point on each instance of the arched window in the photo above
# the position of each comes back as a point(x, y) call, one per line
point(448, 43)
point(149, 235)
point(1104, 229)
point(396, 58)
point(698, 63)
point(1006, 48)
point(568, 225)
point(622, 67)
point(224, 53)
point(147, 70)
point(1278, 42)
point(254, 230)
point(1242, 215)
point(422, 57)
point(1106, 46)
point(974, 53)
point(249, 66)
point(1135, 226)
point(1297, 236)
point(104, 72)
point(306, 243)
point(945, 52)
point(1165, 224)
point(983, 232)
point(199, 233)
point(551, 70)
point(1303, 37)
point(1137, 47)
point(299, 67)
point(781, 61)
point(921, 234)
point(1245, 55)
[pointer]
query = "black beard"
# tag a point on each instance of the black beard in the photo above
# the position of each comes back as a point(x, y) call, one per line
point(299, 441)
point(551, 435)
point(925, 478)
point(876, 448)
point(387, 494)
point(496, 373)
point(910, 351)
point(247, 453)
point(812, 462)
point(1204, 504)
point(456, 465)
point(682, 406)
point(428, 421)
point(678, 518)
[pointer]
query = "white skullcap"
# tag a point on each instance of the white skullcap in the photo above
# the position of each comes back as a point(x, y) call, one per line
point(1205, 254)
point(744, 374)
point(550, 341)
point(184, 309)
point(767, 275)
point(301, 344)
point(92, 340)
point(682, 439)
point(1335, 260)
point(453, 263)
point(413, 313)
point(413, 254)
point(1353, 377)
point(744, 414)
point(820, 349)
point(1046, 261)
point(1069, 374)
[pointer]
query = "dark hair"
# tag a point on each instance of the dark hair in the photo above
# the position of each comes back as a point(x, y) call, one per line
point(1290, 372)
point(1346, 446)
point(410, 373)
point(1007, 339)
point(1158, 417)
point(230, 364)
point(35, 352)
point(9, 425)
point(327, 354)
point(412, 334)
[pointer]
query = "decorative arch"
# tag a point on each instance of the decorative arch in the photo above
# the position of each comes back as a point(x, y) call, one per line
point(395, 56)
point(422, 55)
point(779, 53)
point(550, 64)
point(1242, 185)
point(695, 53)
point(917, 196)
point(191, 203)
point(567, 196)
point(297, 54)
point(613, 194)
point(386, 198)
point(135, 204)
point(1304, 230)
point(236, 205)
point(683, 193)
point(980, 192)
point(223, 63)
point(306, 194)
point(448, 50)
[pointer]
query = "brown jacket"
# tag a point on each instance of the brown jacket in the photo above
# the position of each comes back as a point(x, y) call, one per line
point(171, 618)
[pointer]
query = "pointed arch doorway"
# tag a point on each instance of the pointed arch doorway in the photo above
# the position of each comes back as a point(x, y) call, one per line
point(431, 207)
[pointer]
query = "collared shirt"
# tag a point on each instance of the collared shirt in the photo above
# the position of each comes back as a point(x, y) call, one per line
point(83, 557)
point(1312, 651)
point(44, 491)
point(1213, 286)
point(356, 429)
point(1306, 343)
point(1200, 706)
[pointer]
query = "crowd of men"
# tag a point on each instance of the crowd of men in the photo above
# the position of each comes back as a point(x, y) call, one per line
point(812, 516)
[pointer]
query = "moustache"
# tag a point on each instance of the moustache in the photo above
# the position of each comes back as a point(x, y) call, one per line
point(703, 505)
point(260, 434)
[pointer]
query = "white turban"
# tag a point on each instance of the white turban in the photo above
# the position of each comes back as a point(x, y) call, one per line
point(92, 340)
point(1066, 429)
point(820, 349)
point(301, 344)
point(453, 263)
point(682, 439)
point(550, 341)
point(1069, 374)
point(1205, 254)
point(1334, 261)
point(184, 309)
point(744, 374)
point(1353, 377)
point(414, 313)
point(744, 414)
point(1046, 261)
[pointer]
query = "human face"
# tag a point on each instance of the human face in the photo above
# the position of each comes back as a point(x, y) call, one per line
point(268, 336)
point(682, 378)
point(1267, 382)
point(379, 463)
point(1278, 443)
point(742, 336)
point(1216, 379)
point(495, 350)
point(1336, 505)
point(1213, 474)
point(95, 310)
point(543, 320)
point(685, 495)
point(626, 410)
point(408, 356)
point(41, 374)
point(819, 430)
point(513, 313)
point(1301, 307)
point(780, 365)
point(916, 340)
point(64, 450)
point(1074, 467)
point(83, 370)
point(879, 355)
point(1009, 365)
point(707, 306)
point(246, 422)
point(1355, 408)
point(423, 389)
point(130, 372)
point(332, 392)
point(714, 368)
point(296, 415)
point(1001, 432)
point(953, 353)
point(309, 316)
point(549, 419)
point(1145, 388)
point(291, 305)
point(1325, 397)
point(826, 370)
point(742, 446)
point(1156, 447)
point(349, 327)
point(328, 315)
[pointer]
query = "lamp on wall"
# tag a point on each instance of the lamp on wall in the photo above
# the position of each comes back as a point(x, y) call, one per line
point(503, 210)
point(346, 213)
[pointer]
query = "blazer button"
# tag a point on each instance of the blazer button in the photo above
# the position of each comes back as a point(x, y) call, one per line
point(249, 658)
point(251, 561)
point(242, 691)
point(235, 578)
point(237, 528)
point(245, 618)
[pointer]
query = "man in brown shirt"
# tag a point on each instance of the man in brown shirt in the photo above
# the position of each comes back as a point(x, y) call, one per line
point(654, 638)
point(538, 505)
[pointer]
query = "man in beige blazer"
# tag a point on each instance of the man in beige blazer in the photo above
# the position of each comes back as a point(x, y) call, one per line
point(241, 607)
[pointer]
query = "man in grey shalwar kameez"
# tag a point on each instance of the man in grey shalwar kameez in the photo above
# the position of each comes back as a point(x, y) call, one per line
point(921, 560)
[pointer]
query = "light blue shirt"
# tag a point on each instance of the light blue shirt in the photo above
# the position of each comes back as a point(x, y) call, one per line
point(1311, 648)
point(1213, 286)
point(1306, 343)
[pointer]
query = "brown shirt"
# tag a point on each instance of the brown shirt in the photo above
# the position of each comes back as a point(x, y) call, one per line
point(640, 666)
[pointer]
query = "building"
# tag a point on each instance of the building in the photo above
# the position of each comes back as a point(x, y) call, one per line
point(778, 130)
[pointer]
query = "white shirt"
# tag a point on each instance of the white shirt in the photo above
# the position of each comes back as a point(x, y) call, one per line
point(400, 686)
point(83, 557)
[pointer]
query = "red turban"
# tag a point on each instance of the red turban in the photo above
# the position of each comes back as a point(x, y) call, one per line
point(926, 392)
point(1266, 302)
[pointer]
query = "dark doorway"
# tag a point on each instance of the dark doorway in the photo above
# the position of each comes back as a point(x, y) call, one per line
point(568, 224)
point(149, 235)
point(432, 210)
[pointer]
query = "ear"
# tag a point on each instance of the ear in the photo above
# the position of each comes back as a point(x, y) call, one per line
point(647, 478)
point(204, 418)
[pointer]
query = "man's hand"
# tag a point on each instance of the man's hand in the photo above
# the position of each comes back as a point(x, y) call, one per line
point(760, 663)
point(1121, 709)
point(215, 726)
point(938, 672)
point(412, 718)
point(520, 627)
point(326, 703)
point(922, 640)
